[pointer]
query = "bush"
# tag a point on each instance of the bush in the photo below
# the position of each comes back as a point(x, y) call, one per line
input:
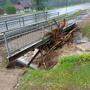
point(10, 10)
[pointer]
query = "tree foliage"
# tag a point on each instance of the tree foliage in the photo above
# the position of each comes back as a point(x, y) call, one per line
point(39, 4)
point(10, 10)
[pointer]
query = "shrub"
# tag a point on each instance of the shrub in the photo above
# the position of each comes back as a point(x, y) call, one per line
point(10, 10)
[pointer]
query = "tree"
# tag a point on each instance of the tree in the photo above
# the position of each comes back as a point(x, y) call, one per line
point(10, 10)
point(39, 4)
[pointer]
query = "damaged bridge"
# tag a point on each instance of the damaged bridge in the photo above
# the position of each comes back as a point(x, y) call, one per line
point(48, 34)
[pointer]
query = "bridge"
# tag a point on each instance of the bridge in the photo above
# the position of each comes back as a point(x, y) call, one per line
point(22, 33)
point(18, 39)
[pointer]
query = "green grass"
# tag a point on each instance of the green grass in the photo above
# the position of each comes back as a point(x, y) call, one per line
point(71, 73)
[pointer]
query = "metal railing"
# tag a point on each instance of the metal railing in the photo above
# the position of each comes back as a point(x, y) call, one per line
point(23, 21)
point(16, 40)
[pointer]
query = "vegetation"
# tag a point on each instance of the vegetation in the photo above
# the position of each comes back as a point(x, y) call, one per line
point(86, 28)
point(42, 4)
point(39, 5)
point(71, 73)
point(10, 10)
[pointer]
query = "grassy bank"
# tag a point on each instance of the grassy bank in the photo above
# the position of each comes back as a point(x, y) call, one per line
point(71, 73)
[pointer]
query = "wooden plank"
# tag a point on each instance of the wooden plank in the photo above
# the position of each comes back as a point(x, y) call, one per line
point(36, 52)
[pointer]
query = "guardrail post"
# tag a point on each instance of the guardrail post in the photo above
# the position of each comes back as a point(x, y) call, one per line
point(6, 25)
point(35, 17)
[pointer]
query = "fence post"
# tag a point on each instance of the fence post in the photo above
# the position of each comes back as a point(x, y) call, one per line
point(35, 16)
point(6, 25)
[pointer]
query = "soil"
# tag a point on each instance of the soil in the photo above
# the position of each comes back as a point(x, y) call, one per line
point(8, 77)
